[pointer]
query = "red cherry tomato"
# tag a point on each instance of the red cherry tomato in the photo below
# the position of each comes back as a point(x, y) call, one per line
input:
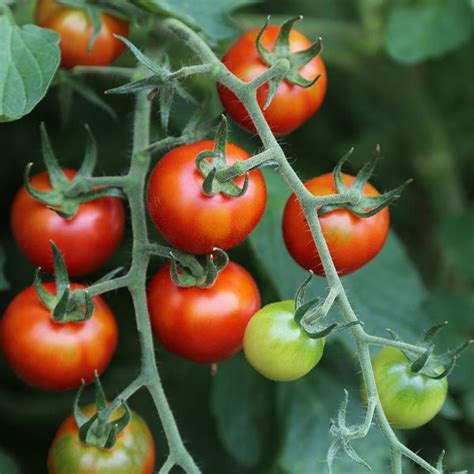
point(133, 453)
point(192, 221)
point(292, 105)
point(56, 356)
point(353, 241)
point(86, 241)
point(75, 29)
point(204, 325)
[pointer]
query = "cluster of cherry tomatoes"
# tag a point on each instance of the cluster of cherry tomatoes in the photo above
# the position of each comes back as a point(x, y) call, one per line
point(204, 325)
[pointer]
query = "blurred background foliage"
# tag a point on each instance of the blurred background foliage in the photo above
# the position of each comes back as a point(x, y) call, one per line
point(401, 74)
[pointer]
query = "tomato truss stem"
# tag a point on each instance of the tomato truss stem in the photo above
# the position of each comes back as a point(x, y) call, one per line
point(133, 185)
point(307, 200)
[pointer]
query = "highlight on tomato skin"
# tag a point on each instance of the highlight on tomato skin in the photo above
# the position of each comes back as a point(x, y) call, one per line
point(277, 347)
point(292, 105)
point(409, 399)
point(133, 453)
point(192, 221)
point(56, 356)
point(86, 241)
point(203, 325)
point(353, 241)
point(75, 30)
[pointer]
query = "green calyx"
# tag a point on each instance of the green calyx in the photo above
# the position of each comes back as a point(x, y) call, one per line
point(98, 430)
point(66, 195)
point(159, 83)
point(309, 315)
point(213, 166)
point(66, 305)
point(428, 364)
point(189, 270)
point(361, 205)
point(281, 51)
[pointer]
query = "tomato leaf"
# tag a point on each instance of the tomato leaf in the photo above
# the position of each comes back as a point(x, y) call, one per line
point(456, 236)
point(374, 291)
point(208, 16)
point(8, 464)
point(241, 403)
point(305, 408)
point(424, 30)
point(29, 58)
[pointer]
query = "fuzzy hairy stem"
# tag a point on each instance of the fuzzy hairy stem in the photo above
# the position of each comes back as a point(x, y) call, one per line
point(135, 190)
point(247, 96)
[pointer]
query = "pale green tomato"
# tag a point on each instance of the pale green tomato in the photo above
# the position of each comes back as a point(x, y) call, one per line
point(409, 399)
point(276, 345)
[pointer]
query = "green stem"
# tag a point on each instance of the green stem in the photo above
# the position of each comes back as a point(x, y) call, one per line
point(248, 98)
point(242, 167)
point(396, 462)
point(382, 341)
point(124, 395)
point(135, 190)
point(121, 72)
point(110, 285)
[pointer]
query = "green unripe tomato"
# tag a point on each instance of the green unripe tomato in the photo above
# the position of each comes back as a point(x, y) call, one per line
point(276, 346)
point(408, 399)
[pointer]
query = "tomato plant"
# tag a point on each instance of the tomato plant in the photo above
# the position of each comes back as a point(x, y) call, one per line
point(56, 356)
point(75, 29)
point(408, 399)
point(277, 346)
point(189, 219)
point(87, 240)
point(204, 325)
point(352, 240)
point(292, 105)
point(133, 453)
point(207, 195)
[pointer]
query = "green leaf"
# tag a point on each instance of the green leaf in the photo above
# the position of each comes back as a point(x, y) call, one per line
point(241, 401)
point(427, 29)
point(8, 464)
point(208, 16)
point(387, 292)
point(305, 408)
point(451, 410)
point(29, 58)
point(456, 235)
point(4, 285)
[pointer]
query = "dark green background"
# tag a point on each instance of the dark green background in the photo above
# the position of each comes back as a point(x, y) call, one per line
point(421, 114)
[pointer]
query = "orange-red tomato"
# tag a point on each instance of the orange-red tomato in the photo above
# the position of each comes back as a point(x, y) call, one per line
point(353, 241)
point(75, 29)
point(133, 453)
point(56, 356)
point(86, 241)
point(292, 105)
point(204, 325)
point(192, 221)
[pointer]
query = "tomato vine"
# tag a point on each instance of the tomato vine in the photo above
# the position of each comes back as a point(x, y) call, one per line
point(149, 75)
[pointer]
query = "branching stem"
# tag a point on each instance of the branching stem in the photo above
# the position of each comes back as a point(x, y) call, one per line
point(247, 94)
point(134, 186)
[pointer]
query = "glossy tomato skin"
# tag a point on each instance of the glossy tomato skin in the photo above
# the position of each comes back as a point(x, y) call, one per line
point(204, 325)
point(75, 30)
point(353, 241)
point(292, 105)
point(409, 400)
point(133, 453)
point(276, 346)
point(56, 356)
point(192, 221)
point(86, 241)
